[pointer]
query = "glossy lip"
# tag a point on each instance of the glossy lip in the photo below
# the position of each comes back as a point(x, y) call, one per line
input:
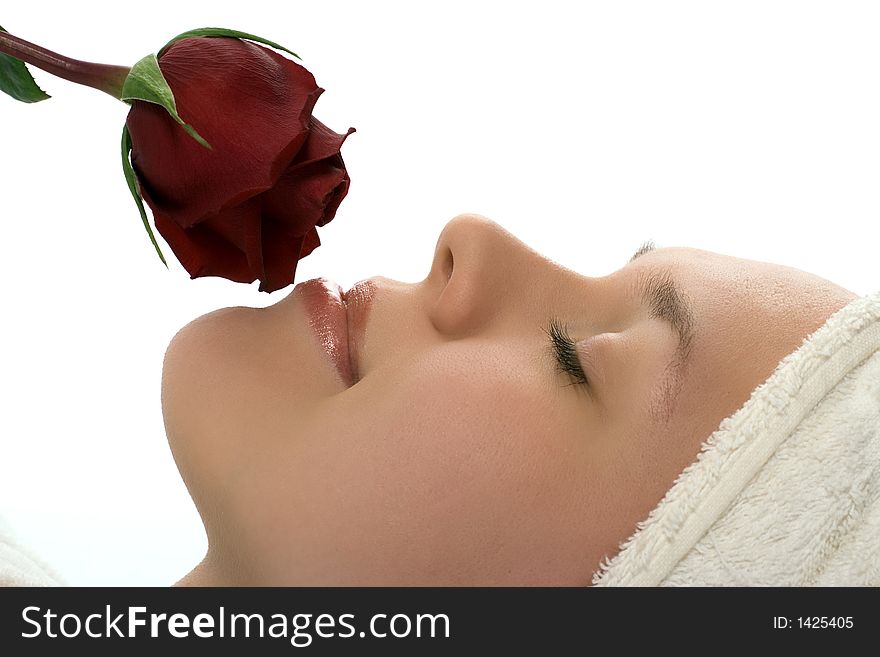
point(358, 301)
point(325, 305)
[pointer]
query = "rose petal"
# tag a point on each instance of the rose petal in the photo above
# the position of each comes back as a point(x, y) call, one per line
point(281, 252)
point(310, 243)
point(322, 142)
point(240, 226)
point(300, 197)
point(311, 189)
point(334, 198)
point(203, 250)
point(250, 103)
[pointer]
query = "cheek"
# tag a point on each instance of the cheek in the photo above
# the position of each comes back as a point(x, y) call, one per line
point(462, 423)
point(454, 461)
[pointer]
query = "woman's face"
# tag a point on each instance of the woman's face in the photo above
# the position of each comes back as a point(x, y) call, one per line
point(464, 453)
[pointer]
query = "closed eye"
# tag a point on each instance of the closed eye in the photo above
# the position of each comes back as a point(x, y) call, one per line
point(565, 352)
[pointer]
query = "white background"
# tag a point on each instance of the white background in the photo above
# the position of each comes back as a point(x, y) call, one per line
point(585, 128)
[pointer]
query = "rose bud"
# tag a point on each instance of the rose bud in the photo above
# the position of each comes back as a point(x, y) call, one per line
point(246, 209)
point(221, 143)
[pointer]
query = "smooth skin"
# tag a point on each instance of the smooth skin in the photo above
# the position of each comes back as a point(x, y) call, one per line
point(463, 455)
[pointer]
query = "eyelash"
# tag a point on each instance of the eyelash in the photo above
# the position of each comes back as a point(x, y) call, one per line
point(565, 351)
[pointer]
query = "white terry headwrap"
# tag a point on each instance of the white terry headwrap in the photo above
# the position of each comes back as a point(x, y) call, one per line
point(787, 491)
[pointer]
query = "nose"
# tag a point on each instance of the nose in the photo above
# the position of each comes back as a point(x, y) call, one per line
point(478, 276)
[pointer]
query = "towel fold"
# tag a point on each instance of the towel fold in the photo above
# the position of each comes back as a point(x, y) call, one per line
point(787, 491)
point(19, 566)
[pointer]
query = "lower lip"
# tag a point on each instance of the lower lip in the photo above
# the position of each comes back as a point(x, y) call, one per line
point(327, 313)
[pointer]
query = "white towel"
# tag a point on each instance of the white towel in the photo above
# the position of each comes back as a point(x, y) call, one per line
point(787, 491)
point(19, 566)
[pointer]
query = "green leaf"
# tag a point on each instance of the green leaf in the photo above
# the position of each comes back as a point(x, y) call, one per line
point(133, 186)
point(223, 32)
point(146, 82)
point(17, 81)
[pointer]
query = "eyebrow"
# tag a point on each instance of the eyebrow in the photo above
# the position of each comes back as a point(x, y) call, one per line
point(660, 293)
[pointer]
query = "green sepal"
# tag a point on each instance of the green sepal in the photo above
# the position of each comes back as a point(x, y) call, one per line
point(146, 82)
point(17, 81)
point(133, 187)
point(223, 32)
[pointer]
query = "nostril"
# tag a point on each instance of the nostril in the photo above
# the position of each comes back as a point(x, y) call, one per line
point(448, 264)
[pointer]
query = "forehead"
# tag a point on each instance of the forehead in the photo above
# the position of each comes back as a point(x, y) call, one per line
point(713, 278)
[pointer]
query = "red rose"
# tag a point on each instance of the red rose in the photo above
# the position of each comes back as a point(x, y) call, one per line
point(247, 208)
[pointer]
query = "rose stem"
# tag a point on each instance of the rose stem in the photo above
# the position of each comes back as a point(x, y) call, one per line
point(104, 77)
